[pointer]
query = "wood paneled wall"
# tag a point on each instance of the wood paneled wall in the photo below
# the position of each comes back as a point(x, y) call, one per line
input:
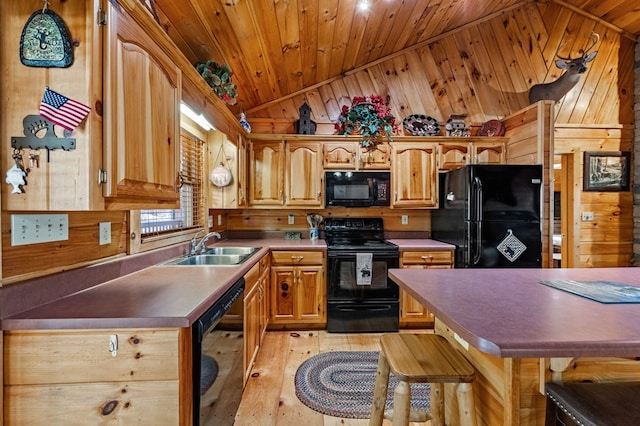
point(276, 220)
point(606, 241)
point(484, 70)
point(82, 247)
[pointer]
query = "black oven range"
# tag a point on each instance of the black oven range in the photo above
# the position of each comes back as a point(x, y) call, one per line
point(360, 296)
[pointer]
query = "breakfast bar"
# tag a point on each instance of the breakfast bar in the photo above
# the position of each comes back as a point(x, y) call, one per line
point(519, 333)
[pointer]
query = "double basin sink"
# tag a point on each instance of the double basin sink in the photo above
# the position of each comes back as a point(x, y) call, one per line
point(217, 256)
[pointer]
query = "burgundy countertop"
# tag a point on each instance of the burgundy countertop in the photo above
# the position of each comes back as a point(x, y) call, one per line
point(421, 244)
point(507, 313)
point(157, 296)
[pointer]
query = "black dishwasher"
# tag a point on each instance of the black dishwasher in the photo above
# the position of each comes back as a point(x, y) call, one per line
point(218, 348)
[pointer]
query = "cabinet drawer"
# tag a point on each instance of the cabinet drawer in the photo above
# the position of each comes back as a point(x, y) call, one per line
point(82, 356)
point(252, 275)
point(265, 263)
point(297, 257)
point(122, 403)
point(427, 257)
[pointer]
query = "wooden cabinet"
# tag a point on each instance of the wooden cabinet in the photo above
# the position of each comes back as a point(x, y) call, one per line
point(142, 118)
point(412, 313)
point(285, 174)
point(76, 377)
point(340, 155)
point(255, 311)
point(350, 155)
point(414, 175)
point(266, 173)
point(477, 150)
point(298, 289)
point(377, 158)
point(303, 174)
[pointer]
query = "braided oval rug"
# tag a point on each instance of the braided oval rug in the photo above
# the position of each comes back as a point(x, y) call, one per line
point(340, 384)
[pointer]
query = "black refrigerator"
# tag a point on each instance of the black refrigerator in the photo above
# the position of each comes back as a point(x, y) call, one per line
point(491, 213)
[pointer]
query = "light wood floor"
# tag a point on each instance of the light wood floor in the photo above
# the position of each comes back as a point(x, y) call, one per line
point(269, 397)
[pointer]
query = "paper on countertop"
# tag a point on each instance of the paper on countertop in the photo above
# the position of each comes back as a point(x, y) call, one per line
point(364, 263)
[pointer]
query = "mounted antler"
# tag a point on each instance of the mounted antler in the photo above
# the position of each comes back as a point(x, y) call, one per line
point(574, 68)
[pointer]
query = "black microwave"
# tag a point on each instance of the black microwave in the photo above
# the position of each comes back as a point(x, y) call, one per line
point(357, 189)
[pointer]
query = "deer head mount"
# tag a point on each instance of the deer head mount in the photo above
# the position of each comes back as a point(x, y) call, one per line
point(574, 68)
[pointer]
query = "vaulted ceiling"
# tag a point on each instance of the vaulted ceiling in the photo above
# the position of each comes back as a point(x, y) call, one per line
point(285, 49)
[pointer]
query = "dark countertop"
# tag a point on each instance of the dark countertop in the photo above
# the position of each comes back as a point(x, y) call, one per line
point(505, 312)
point(161, 295)
point(157, 296)
point(421, 244)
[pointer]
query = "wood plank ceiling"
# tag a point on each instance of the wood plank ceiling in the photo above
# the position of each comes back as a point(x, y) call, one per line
point(285, 52)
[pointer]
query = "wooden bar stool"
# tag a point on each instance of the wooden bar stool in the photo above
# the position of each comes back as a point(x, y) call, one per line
point(421, 358)
point(593, 404)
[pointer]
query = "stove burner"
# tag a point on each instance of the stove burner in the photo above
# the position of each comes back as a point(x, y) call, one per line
point(356, 234)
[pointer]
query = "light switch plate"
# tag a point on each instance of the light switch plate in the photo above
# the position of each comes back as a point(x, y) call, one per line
point(38, 228)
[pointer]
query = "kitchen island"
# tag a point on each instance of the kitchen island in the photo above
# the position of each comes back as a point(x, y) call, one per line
point(520, 334)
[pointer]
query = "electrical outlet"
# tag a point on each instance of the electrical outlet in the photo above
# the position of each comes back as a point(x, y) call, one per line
point(405, 219)
point(38, 228)
point(587, 216)
point(219, 220)
point(105, 233)
point(291, 219)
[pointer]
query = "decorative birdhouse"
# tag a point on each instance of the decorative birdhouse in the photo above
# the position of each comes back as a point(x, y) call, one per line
point(455, 125)
point(304, 125)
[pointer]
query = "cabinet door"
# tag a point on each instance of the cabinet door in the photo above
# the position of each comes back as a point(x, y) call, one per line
point(303, 174)
point(488, 153)
point(452, 156)
point(412, 312)
point(282, 294)
point(266, 172)
point(251, 327)
point(375, 158)
point(310, 294)
point(414, 175)
point(241, 178)
point(142, 125)
point(298, 295)
point(340, 155)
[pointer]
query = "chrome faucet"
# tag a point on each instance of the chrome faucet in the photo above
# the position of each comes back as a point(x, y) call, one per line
point(199, 247)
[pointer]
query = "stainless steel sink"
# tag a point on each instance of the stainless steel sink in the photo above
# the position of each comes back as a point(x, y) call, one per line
point(232, 250)
point(217, 256)
point(209, 259)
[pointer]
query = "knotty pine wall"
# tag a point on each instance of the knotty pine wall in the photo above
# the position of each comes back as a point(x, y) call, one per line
point(484, 70)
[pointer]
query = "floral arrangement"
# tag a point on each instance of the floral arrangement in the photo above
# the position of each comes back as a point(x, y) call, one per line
point(218, 76)
point(369, 117)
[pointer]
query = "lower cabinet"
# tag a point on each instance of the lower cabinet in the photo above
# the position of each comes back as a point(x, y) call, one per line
point(82, 377)
point(255, 311)
point(412, 313)
point(298, 289)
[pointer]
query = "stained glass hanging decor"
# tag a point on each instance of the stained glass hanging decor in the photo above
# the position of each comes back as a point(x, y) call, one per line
point(45, 41)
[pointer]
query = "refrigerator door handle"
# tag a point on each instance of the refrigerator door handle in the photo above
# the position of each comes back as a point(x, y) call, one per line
point(478, 243)
point(477, 195)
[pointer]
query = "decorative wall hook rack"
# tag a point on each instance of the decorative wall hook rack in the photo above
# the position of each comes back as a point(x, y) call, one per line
point(39, 133)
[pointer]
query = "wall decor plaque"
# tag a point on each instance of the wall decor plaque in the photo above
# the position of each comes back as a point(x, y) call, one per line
point(45, 41)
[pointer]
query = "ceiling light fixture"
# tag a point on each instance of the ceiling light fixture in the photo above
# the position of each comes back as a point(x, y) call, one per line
point(364, 5)
point(199, 119)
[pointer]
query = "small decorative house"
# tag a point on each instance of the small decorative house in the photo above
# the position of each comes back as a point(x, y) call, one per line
point(304, 125)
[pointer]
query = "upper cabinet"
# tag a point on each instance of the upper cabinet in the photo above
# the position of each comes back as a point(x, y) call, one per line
point(477, 150)
point(266, 173)
point(414, 174)
point(142, 118)
point(285, 174)
point(304, 178)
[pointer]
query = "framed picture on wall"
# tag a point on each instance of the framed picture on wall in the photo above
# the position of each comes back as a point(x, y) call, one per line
point(607, 171)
